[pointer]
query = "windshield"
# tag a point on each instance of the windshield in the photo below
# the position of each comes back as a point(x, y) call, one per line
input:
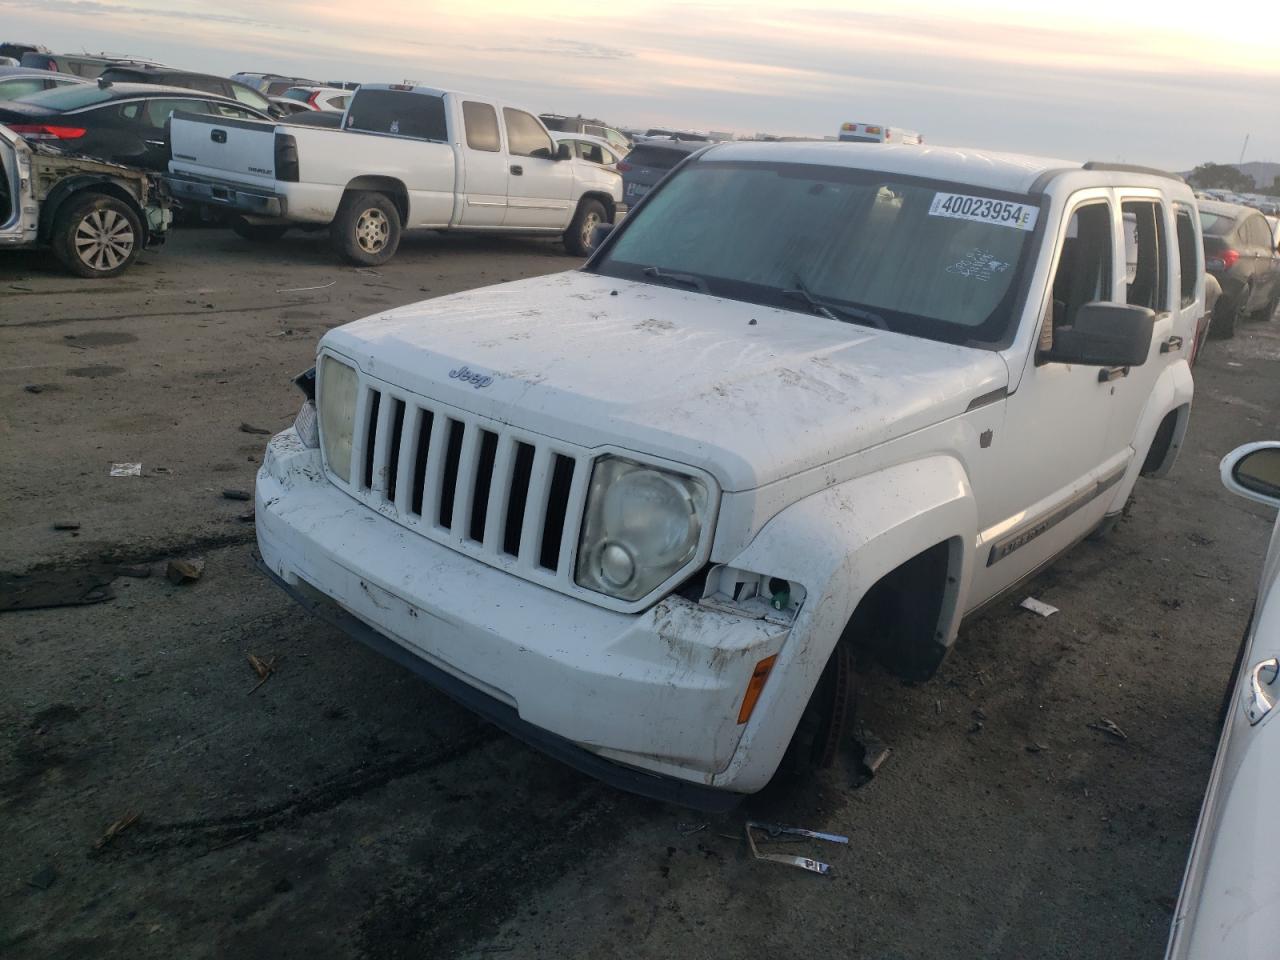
point(933, 259)
point(1215, 223)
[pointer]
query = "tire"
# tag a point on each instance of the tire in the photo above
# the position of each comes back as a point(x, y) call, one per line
point(1268, 311)
point(96, 235)
point(1224, 326)
point(366, 230)
point(258, 232)
point(827, 721)
point(579, 239)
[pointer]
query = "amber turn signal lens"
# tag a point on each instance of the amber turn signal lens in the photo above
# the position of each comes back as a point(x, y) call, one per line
point(758, 676)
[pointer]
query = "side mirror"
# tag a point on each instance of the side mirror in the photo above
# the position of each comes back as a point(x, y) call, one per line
point(599, 234)
point(564, 152)
point(1253, 471)
point(1105, 335)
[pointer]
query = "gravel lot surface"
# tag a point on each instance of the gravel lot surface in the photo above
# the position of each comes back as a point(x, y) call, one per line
point(345, 809)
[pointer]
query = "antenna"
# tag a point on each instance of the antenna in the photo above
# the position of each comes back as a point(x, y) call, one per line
point(1244, 148)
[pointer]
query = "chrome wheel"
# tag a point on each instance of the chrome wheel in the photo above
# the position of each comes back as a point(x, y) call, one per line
point(373, 229)
point(589, 224)
point(103, 239)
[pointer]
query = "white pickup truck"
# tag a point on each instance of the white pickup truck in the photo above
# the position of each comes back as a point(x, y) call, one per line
point(807, 403)
point(405, 157)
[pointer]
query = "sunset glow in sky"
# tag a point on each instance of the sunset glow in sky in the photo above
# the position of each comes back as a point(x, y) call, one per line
point(1134, 81)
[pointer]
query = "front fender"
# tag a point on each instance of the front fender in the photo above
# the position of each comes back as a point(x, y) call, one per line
point(63, 190)
point(837, 544)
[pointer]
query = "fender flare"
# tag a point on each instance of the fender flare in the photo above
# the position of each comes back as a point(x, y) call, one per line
point(1173, 391)
point(837, 544)
point(393, 187)
point(64, 190)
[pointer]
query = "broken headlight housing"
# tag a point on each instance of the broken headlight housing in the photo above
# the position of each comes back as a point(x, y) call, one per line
point(642, 524)
point(337, 401)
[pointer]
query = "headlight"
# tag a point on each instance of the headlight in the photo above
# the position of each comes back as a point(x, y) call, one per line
point(642, 525)
point(337, 395)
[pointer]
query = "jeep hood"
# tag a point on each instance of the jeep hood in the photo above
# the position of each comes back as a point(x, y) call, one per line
point(750, 393)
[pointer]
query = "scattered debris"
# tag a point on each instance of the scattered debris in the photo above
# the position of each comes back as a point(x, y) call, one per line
point(236, 495)
point(979, 720)
point(139, 571)
point(1200, 540)
point(66, 524)
point(874, 753)
point(181, 571)
point(56, 588)
point(250, 428)
point(34, 388)
point(775, 831)
point(689, 829)
point(126, 470)
point(1109, 727)
point(323, 286)
point(247, 517)
point(1037, 606)
point(117, 828)
point(751, 322)
point(263, 668)
point(1036, 748)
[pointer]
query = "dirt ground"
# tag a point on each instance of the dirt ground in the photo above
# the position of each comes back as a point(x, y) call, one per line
point(345, 809)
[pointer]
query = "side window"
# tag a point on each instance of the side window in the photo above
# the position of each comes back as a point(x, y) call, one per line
point(230, 110)
point(481, 121)
point(157, 111)
point(1257, 233)
point(399, 113)
point(341, 102)
point(1189, 257)
point(593, 130)
point(251, 97)
point(1084, 267)
point(203, 84)
point(592, 152)
point(525, 136)
point(1146, 261)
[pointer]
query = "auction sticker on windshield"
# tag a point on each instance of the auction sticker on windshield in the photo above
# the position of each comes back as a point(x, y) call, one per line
point(958, 206)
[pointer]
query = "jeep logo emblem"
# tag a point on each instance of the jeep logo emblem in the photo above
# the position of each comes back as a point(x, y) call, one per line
point(477, 380)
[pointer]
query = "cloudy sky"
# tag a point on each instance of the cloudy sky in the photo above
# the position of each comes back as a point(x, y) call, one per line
point(1131, 80)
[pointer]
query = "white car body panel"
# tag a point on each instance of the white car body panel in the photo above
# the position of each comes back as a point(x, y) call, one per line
point(1231, 889)
point(839, 453)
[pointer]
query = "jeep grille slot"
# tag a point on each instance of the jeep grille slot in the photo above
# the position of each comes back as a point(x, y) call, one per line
point(371, 438)
point(501, 494)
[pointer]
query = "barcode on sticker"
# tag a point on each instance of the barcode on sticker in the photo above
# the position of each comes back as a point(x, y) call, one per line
point(1004, 213)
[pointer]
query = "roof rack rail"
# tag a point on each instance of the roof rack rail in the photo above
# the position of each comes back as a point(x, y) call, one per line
point(1105, 167)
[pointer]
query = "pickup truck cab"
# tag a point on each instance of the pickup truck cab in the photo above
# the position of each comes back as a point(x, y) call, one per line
point(405, 157)
point(807, 402)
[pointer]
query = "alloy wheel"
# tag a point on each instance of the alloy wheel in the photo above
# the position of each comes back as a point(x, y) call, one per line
point(103, 239)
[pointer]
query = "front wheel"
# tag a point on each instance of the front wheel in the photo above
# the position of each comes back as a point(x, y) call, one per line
point(827, 720)
point(96, 236)
point(366, 230)
point(580, 238)
point(1268, 310)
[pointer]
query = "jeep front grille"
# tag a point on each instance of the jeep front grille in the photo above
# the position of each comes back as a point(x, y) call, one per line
point(511, 498)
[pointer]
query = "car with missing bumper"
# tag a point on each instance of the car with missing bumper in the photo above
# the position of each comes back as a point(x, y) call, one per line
point(807, 403)
point(94, 215)
point(405, 157)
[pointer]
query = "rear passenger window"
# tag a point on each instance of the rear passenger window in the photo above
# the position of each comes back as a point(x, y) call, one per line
point(1084, 268)
point(400, 113)
point(1146, 266)
point(481, 121)
point(1189, 257)
point(525, 136)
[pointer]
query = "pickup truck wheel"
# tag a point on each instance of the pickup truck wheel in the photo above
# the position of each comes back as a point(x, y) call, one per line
point(366, 230)
point(827, 719)
point(579, 239)
point(258, 232)
point(96, 235)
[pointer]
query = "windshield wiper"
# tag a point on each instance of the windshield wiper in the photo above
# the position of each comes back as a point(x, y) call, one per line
point(686, 279)
point(835, 311)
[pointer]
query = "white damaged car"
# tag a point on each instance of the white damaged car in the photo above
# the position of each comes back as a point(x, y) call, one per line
point(809, 401)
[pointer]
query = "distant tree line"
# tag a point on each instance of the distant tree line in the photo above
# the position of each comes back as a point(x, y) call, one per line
point(1223, 176)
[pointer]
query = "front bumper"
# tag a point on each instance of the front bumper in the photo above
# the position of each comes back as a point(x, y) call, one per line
point(648, 702)
point(220, 194)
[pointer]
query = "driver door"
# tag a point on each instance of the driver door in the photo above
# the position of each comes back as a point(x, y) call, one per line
point(539, 187)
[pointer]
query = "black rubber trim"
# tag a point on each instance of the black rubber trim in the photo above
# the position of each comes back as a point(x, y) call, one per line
point(993, 396)
point(1029, 531)
point(500, 714)
point(1101, 166)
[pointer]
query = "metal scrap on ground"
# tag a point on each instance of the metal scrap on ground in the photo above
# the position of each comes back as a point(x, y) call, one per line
point(775, 831)
point(1038, 606)
point(117, 828)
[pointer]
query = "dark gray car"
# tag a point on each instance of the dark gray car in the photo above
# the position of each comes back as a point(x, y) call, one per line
point(646, 165)
point(1241, 253)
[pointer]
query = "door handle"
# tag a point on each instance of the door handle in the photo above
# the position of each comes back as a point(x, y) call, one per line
point(1107, 374)
point(1170, 345)
point(517, 170)
point(1260, 702)
point(218, 136)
